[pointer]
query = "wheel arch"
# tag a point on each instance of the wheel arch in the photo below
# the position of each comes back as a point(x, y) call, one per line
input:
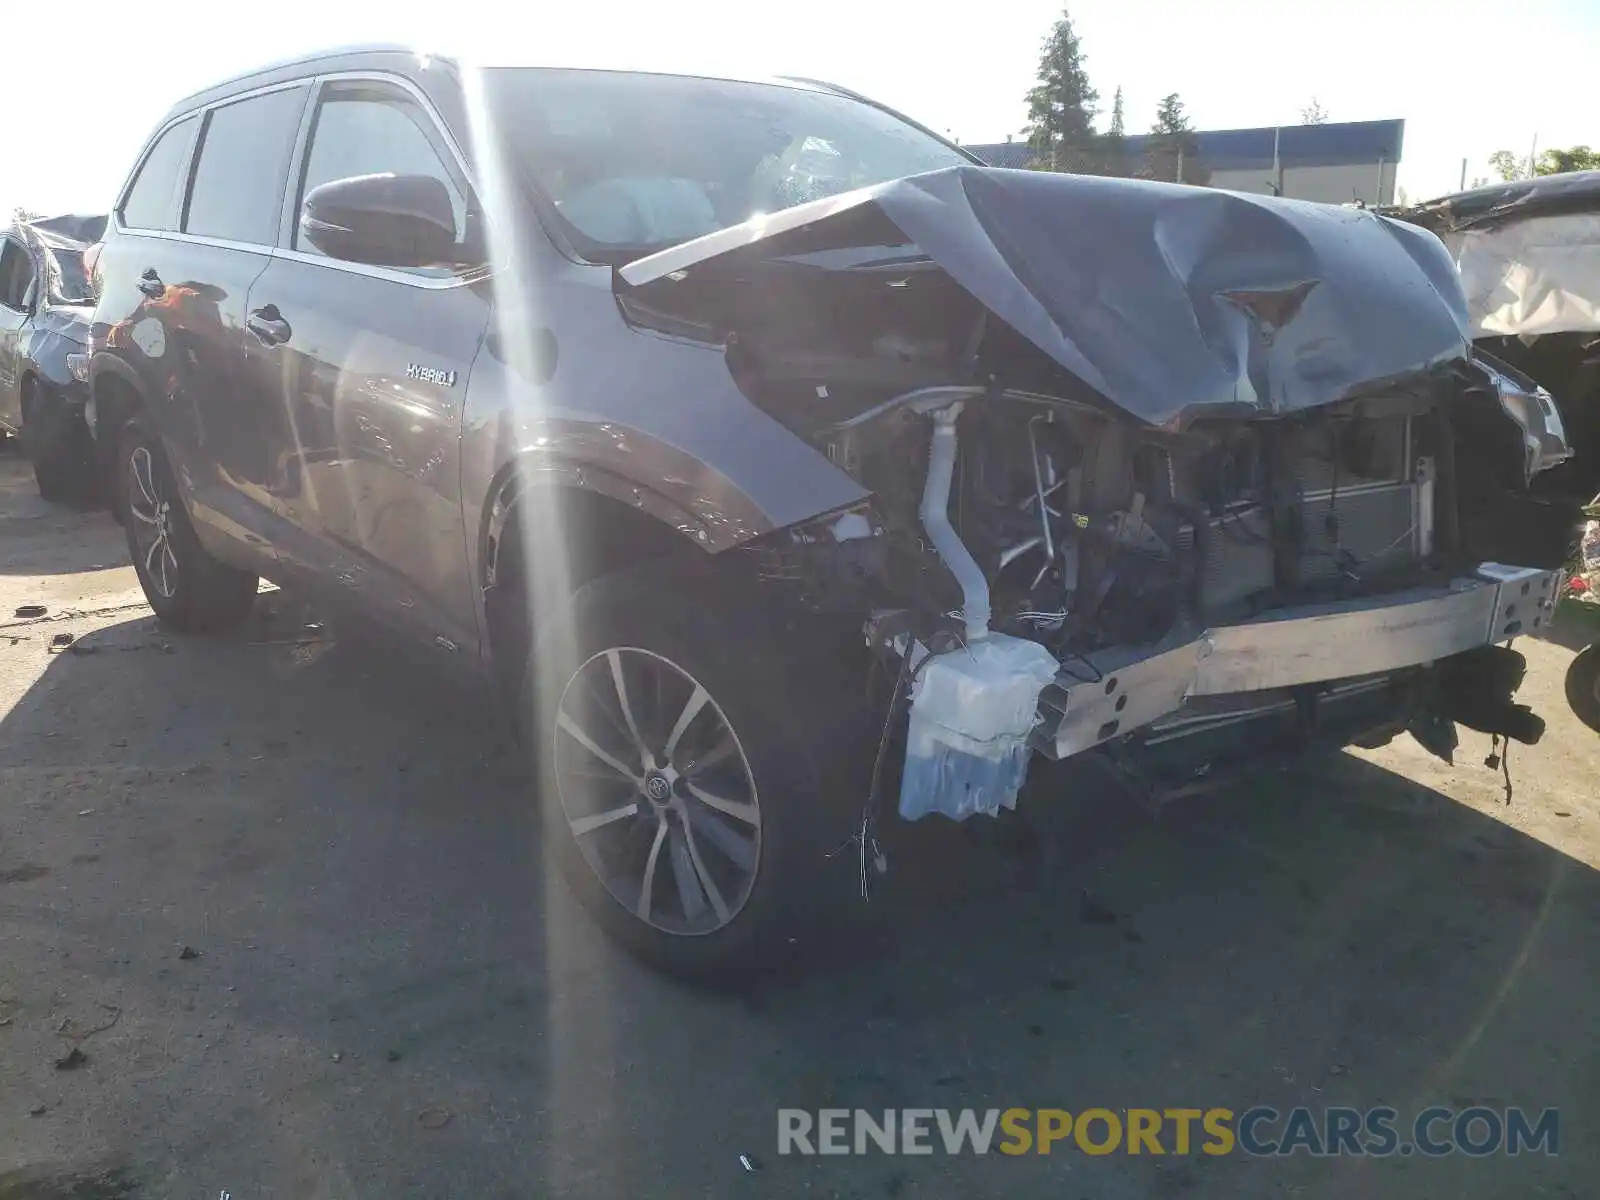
point(117, 394)
point(115, 388)
point(582, 489)
point(589, 520)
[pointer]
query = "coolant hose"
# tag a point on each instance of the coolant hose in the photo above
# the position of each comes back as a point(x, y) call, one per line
point(935, 514)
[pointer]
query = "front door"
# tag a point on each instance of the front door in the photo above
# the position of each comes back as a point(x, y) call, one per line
point(374, 365)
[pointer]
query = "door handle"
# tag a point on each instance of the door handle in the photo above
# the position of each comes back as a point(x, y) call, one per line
point(269, 326)
point(150, 284)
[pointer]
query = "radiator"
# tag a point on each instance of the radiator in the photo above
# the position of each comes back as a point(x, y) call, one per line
point(1238, 562)
point(1351, 524)
point(1357, 532)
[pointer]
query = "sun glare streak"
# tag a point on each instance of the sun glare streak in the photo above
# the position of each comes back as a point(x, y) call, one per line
point(578, 1031)
point(288, 394)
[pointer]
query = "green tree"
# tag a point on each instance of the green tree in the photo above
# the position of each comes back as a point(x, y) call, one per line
point(20, 214)
point(1511, 167)
point(1061, 105)
point(1559, 162)
point(1114, 145)
point(1171, 152)
point(1508, 166)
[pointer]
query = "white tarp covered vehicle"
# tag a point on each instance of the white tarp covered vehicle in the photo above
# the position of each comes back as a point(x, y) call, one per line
point(1528, 253)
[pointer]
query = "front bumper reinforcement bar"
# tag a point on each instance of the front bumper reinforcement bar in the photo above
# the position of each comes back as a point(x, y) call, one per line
point(1115, 691)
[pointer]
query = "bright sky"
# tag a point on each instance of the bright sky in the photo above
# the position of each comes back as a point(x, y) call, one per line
point(1469, 77)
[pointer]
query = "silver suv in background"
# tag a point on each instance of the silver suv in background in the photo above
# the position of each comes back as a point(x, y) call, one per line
point(45, 303)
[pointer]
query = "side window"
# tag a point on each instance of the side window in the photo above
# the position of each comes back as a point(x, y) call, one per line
point(370, 129)
point(150, 203)
point(16, 273)
point(237, 191)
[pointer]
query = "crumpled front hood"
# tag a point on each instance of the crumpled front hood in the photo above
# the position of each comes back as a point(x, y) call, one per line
point(1170, 301)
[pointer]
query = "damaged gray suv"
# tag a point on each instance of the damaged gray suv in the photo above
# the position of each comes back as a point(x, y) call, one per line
point(687, 408)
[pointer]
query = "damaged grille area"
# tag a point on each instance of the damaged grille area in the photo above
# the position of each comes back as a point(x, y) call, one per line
point(1089, 532)
point(1058, 581)
point(1366, 499)
point(1359, 508)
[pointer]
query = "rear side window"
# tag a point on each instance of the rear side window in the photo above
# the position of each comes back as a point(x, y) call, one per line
point(16, 273)
point(237, 192)
point(150, 203)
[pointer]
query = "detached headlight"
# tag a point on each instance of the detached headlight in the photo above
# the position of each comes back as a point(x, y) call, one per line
point(1544, 438)
point(78, 364)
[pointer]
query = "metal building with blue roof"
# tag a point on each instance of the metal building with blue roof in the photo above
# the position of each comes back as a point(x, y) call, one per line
point(1334, 162)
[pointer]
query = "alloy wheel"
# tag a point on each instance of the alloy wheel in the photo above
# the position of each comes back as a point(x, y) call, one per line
point(657, 791)
point(151, 512)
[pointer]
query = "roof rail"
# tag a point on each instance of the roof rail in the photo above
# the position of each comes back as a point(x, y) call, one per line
point(314, 56)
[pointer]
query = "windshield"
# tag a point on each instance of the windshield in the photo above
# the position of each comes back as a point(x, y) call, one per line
point(68, 282)
point(635, 162)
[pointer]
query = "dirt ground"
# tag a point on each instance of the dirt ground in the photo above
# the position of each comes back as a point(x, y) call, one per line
point(283, 896)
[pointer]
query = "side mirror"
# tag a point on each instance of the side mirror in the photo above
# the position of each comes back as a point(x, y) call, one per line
point(384, 221)
point(30, 297)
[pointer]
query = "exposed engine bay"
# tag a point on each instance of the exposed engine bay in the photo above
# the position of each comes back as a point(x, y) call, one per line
point(1144, 463)
point(1090, 532)
point(1180, 584)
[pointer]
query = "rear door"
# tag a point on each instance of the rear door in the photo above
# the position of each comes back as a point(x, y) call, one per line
point(373, 362)
point(236, 437)
point(191, 232)
point(145, 217)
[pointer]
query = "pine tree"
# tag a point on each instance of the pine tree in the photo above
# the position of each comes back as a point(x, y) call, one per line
point(1171, 152)
point(1061, 106)
point(1114, 146)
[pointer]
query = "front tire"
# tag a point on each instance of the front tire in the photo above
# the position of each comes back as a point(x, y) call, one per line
point(190, 591)
point(678, 770)
point(1583, 686)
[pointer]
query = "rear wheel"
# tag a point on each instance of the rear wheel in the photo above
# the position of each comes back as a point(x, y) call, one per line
point(57, 445)
point(1583, 686)
point(678, 774)
point(190, 591)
